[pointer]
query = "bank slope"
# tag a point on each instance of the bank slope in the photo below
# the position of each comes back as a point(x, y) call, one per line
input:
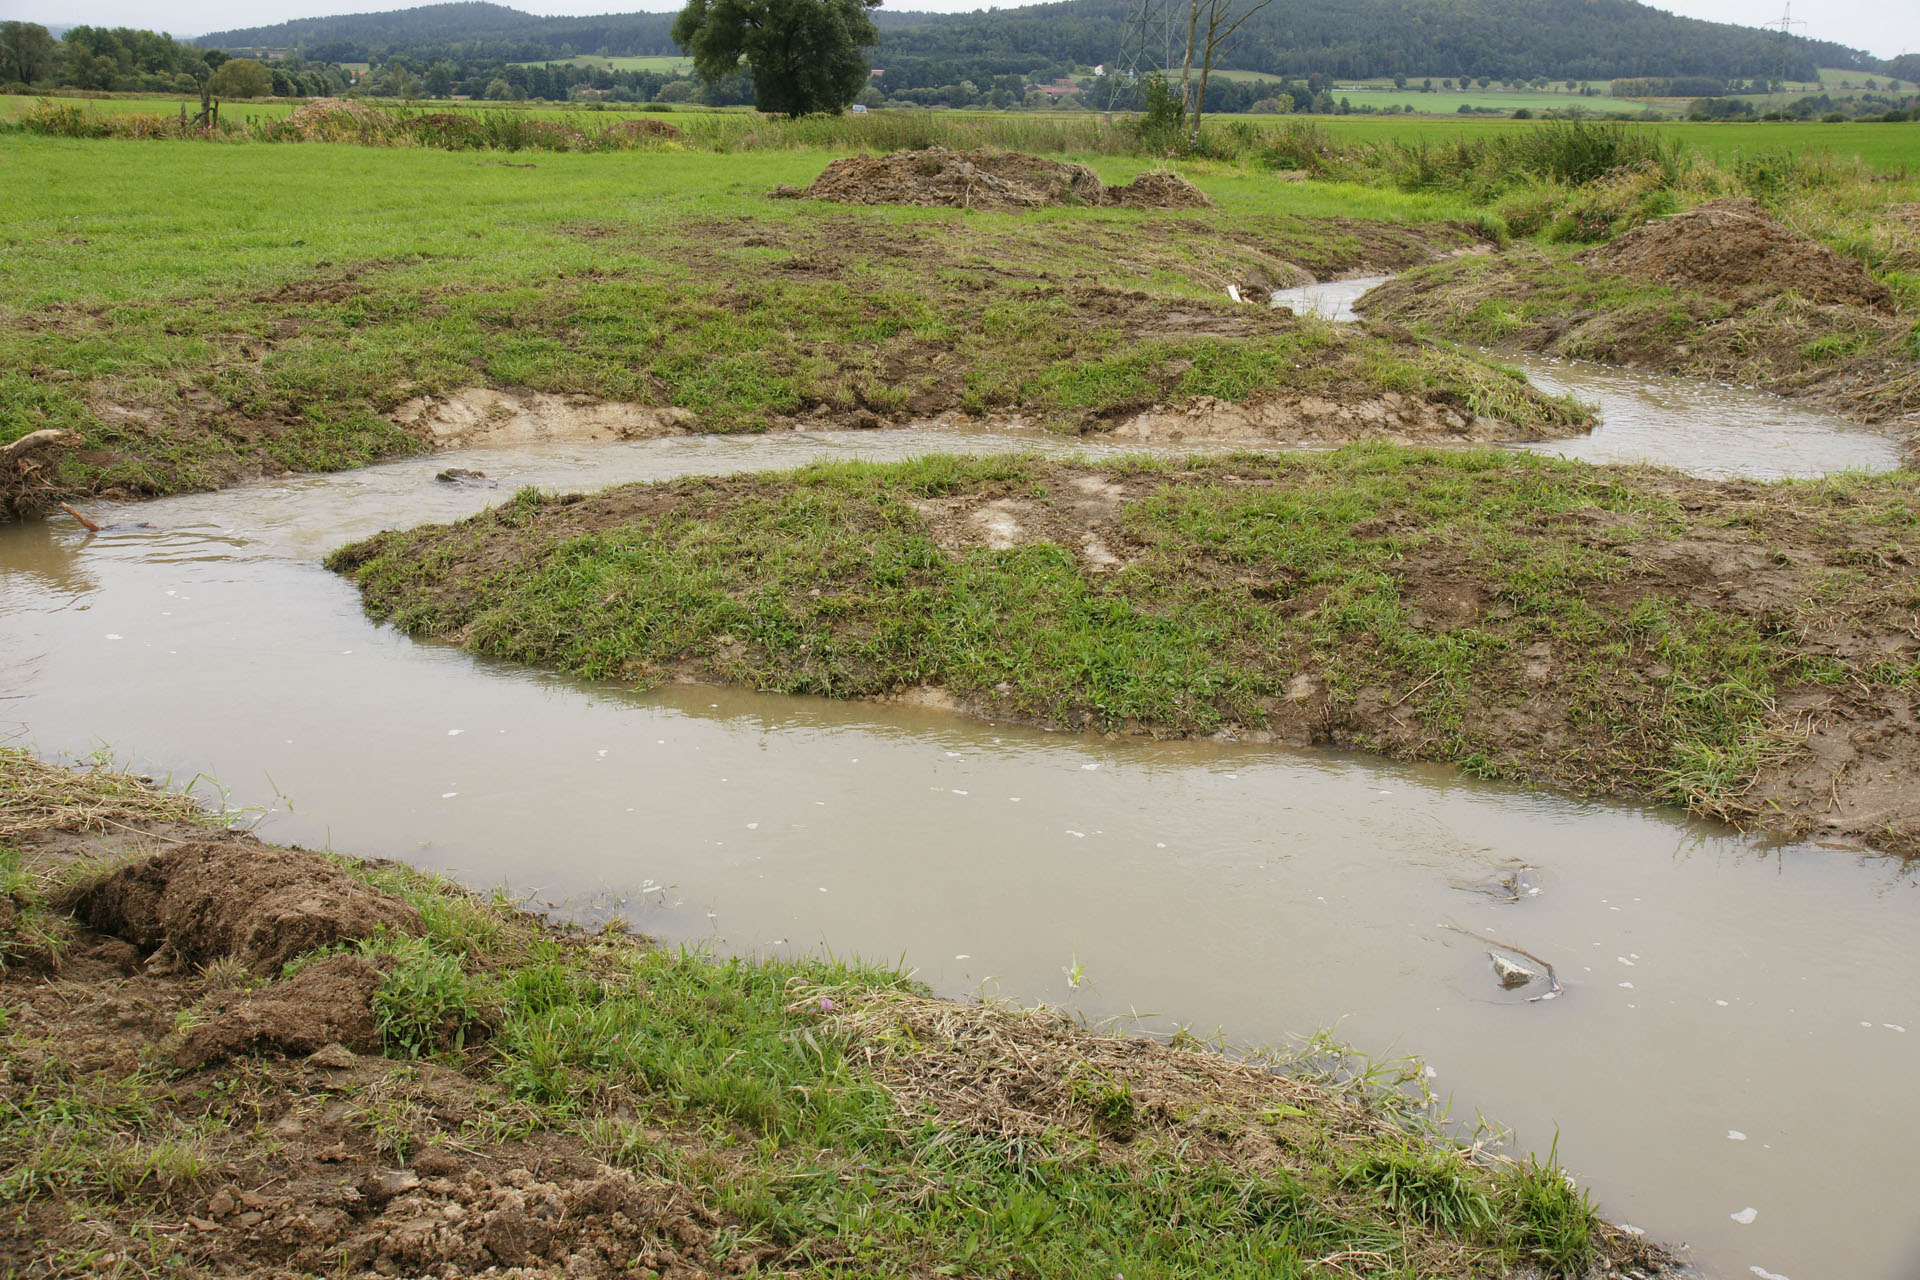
point(347, 1069)
point(1749, 650)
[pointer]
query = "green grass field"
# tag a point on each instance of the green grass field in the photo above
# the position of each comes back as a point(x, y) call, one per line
point(298, 288)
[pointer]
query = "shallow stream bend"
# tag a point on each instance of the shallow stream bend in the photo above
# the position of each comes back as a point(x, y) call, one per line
point(1740, 1029)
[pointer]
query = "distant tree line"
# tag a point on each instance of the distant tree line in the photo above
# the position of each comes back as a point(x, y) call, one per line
point(1891, 108)
point(1562, 40)
point(121, 59)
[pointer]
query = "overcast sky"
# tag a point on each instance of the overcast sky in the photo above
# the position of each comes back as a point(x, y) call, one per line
point(1884, 27)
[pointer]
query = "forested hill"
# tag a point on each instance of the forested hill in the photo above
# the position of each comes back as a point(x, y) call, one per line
point(1561, 39)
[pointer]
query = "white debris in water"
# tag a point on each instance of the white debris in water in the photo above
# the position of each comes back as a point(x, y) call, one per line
point(957, 791)
point(1089, 768)
point(963, 956)
point(1765, 1274)
point(1163, 844)
point(1623, 960)
point(1234, 776)
point(1734, 1135)
point(953, 755)
point(1078, 835)
point(1893, 1026)
point(753, 826)
point(1746, 1216)
point(454, 733)
point(448, 795)
point(823, 888)
point(1721, 1003)
point(1627, 985)
point(1015, 799)
point(113, 635)
point(1632, 1230)
point(1867, 1025)
point(603, 752)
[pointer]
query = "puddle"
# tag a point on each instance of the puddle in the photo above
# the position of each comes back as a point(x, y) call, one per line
point(1719, 432)
point(1710, 987)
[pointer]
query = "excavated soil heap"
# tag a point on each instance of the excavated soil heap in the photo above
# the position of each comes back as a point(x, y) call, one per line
point(323, 114)
point(1158, 189)
point(200, 902)
point(1732, 247)
point(327, 1002)
point(985, 179)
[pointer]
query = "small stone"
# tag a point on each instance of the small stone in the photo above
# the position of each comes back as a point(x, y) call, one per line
point(1511, 973)
point(384, 1184)
point(222, 1203)
point(335, 1056)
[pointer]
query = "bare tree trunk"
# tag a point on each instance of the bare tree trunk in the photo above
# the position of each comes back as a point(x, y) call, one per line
point(1186, 67)
point(1221, 26)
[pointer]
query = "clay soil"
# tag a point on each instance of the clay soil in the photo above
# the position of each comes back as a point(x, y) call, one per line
point(1722, 291)
point(988, 179)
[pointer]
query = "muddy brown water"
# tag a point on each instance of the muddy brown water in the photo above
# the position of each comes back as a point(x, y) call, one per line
point(1730, 1064)
point(1720, 432)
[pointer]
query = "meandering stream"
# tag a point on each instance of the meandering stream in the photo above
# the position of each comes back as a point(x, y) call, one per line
point(1740, 1028)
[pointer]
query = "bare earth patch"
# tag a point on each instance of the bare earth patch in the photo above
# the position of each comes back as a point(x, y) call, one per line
point(478, 416)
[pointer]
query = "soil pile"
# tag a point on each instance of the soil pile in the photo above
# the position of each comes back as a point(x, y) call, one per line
point(1733, 247)
point(201, 902)
point(327, 115)
point(1158, 189)
point(986, 179)
point(644, 128)
point(328, 1002)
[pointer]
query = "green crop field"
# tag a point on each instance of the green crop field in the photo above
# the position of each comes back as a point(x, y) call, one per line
point(664, 64)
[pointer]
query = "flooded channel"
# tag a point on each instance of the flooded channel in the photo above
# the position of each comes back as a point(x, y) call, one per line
point(1720, 432)
point(1730, 1064)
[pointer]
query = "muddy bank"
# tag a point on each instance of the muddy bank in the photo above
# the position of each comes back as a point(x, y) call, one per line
point(1745, 649)
point(456, 1088)
point(1722, 291)
point(988, 179)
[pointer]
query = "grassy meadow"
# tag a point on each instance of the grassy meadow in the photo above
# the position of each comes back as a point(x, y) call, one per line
point(201, 312)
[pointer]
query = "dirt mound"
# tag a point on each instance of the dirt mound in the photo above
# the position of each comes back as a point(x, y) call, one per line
point(1729, 247)
point(329, 1002)
point(200, 902)
point(1158, 189)
point(987, 179)
point(644, 128)
point(326, 115)
point(979, 179)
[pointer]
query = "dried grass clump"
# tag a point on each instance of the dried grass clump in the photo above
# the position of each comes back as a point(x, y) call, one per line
point(37, 797)
point(1010, 1072)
